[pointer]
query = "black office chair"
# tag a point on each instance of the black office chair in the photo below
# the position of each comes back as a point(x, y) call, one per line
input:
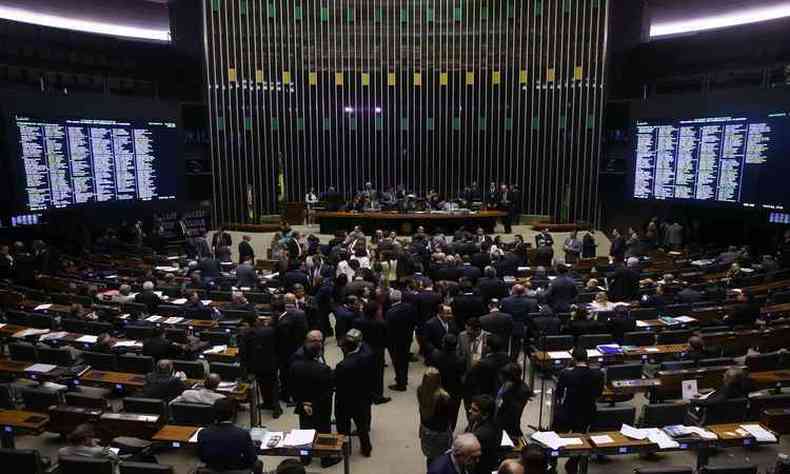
point(639, 338)
point(135, 309)
point(226, 371)
point(100, 360)
point(146, 406)
point(84, 465)
point(135, 364)
point(16, 317)
point(128, 467)
point(170, 311)
point(641, 314)
point(658, 415)
point(712, 413)
point(780, 297)
point(139, 332)
point(591, 341)
point(23, 351)
point(676, 310)
point(7, 401)
point(216, 338)
point(555, 343)
point(38, 400)
point(613, 418)
point(257, 297)
point(729, 469)
point(73, 325)
point(178, 335)
point(674, 337)
point(77, 399)
point(764, 362)
point(766, 401)
point(201, 314)
point(716, 362)
point(94, 328)
point(665, 470)
point(678, 365)
point(60, 298)
point(193, 369)
point(27, 461)
point(191, 414)
point(220, 295)
point(40, 321)
point(623, 372)
point(50, 355)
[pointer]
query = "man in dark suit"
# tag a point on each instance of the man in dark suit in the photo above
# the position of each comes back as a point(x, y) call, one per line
point(544, 239)
point(461, 459)
point(258, 354)
point(312, 385)
point(427, 302)
point(689, 295)
point(483, 377)
point(210, 269)
point(467, 304)
point(354, 387)
point(498, 322)
point(162, 383)
point(295, 276)
point(469, 271)
point(224, 446)
point(624, 282)
point(345, 314)
point(374, 333)
point(490, 286)
point(147, 297)
point(483, 425)
point(401, 320)
point(246, 276)
point(294, 247)
point(160, 348)
point(562, 291)
point(519, 305)
point(245, 250)
point(452, 368)
point(437, 327)
point(291, 328)
point(220, 239)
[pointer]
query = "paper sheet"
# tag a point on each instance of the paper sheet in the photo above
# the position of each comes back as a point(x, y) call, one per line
point(128, 344)
point(299, 438)
point(216, 349)
point(651, 349)
point(506, 441)
point(179, 301)
point(660, 438)
point(760, 434)
point(42, 307)
point(685, 319)
point(594, 353)
point(153, 319)
point(631, 432)
point(173, 320)
point(194, 437)
point(2, 325)
point(41, 368)
point(88, 339)
point(206, 302)
point(642, 324)
point(602, 439)
point(560, 355)
point(269, 436)
point(548, 438)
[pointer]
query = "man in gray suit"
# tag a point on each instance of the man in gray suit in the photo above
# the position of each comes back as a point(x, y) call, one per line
point(246, 275)
point(205, 395)
point(472, 342)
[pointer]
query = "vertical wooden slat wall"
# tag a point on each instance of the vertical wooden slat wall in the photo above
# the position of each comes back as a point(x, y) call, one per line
point(428, 94)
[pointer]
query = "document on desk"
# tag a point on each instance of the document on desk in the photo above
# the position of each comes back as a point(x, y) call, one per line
point(53, 336)
point(553, 441)
point(30, 332)
point(560, 355)
point(179, 301)
point(41, 368)
point(42, 307)
point(87, 338)
point(206, 302)
point(128, 344)
point(594, 353)
point(701, 432)
point(173, 320)
point(631, 432)
point(642, 324)
point(660, 438)
point(194, 437)
point(153, 319)
point(685, 319)
point(760, 434)
point(268, 436)
point(2, 325)
point(601, 439)
point(506, 441)
point(216, 349)
point(299, 438)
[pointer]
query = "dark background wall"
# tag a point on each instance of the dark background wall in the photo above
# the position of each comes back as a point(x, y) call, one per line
point(428, 94)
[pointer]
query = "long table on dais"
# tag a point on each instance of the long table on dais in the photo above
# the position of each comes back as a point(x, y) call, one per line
point(406, 223)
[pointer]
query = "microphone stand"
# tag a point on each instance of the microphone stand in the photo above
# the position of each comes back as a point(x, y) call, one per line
point(539, 426)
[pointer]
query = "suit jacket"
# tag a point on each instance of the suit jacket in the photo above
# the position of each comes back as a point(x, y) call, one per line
point(246, 276)
point(165, 387)
point(443, 465)
point(577, 390)
point(467, 305)
point(452, 368)
point(226, 447)
point(159, 348)
point(483, 377)
point(149, 299)
point(225, 240)
point(509, 408)
point(209, 268)
point(427, 303)
point(292, 277)
point(401, 320)
point(291, 330)
point(310, 381)
point(624, 285)
point(499, 323)
point(490, 437)
point(469, 271)
point(464, 350)
point(355, 380)
point(259, 351)
point(344, 318)
point(480, 260)
point(245, 251)
point(445, 272)
point(434, 332)
point(491, 288)
point(374, 332)
point(561, 293)
point(520, 307)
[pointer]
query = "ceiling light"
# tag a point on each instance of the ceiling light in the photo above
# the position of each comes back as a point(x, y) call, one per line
point(741, 17)
point(112, 29)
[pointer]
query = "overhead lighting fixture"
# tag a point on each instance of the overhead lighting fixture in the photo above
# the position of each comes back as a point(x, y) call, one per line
point(740, 17)
point(76, 24)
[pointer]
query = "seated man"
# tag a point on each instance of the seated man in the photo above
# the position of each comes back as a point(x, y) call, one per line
point(163, 383)
point(83, 442)
point(206, 395)
point(224, 446)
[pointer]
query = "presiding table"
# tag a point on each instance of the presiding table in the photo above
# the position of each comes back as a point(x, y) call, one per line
point(331, 222)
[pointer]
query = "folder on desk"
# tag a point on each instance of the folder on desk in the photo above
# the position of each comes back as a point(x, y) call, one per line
point(41, 368)
point(299, 438)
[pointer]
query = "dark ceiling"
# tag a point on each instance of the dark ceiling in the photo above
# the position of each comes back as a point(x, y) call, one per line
point(152, 14)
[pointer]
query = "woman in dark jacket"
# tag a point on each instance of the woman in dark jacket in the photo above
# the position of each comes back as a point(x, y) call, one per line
point(511, 399)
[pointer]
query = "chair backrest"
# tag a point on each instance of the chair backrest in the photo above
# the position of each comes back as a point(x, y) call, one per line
point(135, 309)
point(7, 401)
point(191, 414)
point(23, 351)
point(178, 335)
point(100, 360)
point(17, 317)
point(725, 411)
point(729, 469)
point(95, 328)
point(677, 364)
point(82, 400)
point(658, 415)
point(590, 341)
point(257, 297)
point(716, 362)
point(674, 337)
point(73, 325)
point(146, 406)
point(641, 314)
point(556, 343)
point(27, 461)
point(763, 362)
point(139, 331)
point(128, 467)
point(639, 338)
point(612, 419)
point(38, 400)
point(237, 314)
point(50, 355)
point(40, 321)
point(623, 372)
point(198, 313)
point(227, 372)
point(193, 369)
point(665, 470)
point(135, 364)
point(84, 465)
point(216, 338)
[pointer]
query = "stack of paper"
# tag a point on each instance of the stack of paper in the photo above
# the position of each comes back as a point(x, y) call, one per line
point(128, 344)
point(553, 441)
point(642, 324)
point(660, 438)
point(269, 435)
point(166, 269)
point(88, 339)
point(299, 438)
point(53, 336)
point(41, 368)
point(594, 353)
point(685, 319)
point(179, 301)
point(173, 320)
point(194, 437)
point(216, 349)
point(560, 355)
point(227, 386)
point(760, 434)
point(610, 348)
point(682, 430)
point(30, 332)
point(153, 319)
point(42, 307)
point(601, 439)
point(633, 433)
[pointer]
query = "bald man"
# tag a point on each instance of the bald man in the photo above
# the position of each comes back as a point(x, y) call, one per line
point(510, 466)
point(461, 459)
point(205, 395)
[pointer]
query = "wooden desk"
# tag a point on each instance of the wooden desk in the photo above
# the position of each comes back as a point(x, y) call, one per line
point(621, 444)
point(19, 368)
point(629, 387)
point(64, 418)
point(776, 310)
point(231, 354)
point(23, 421)
point(732, 435)
point(134, 425)
point(114, 379)
point(777, 420)
point(174, 434)
point(653, 353)
point(10, 329)
point(770, 378)
point(370, 221)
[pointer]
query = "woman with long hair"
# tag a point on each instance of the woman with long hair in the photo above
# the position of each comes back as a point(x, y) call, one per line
point(435, 418)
